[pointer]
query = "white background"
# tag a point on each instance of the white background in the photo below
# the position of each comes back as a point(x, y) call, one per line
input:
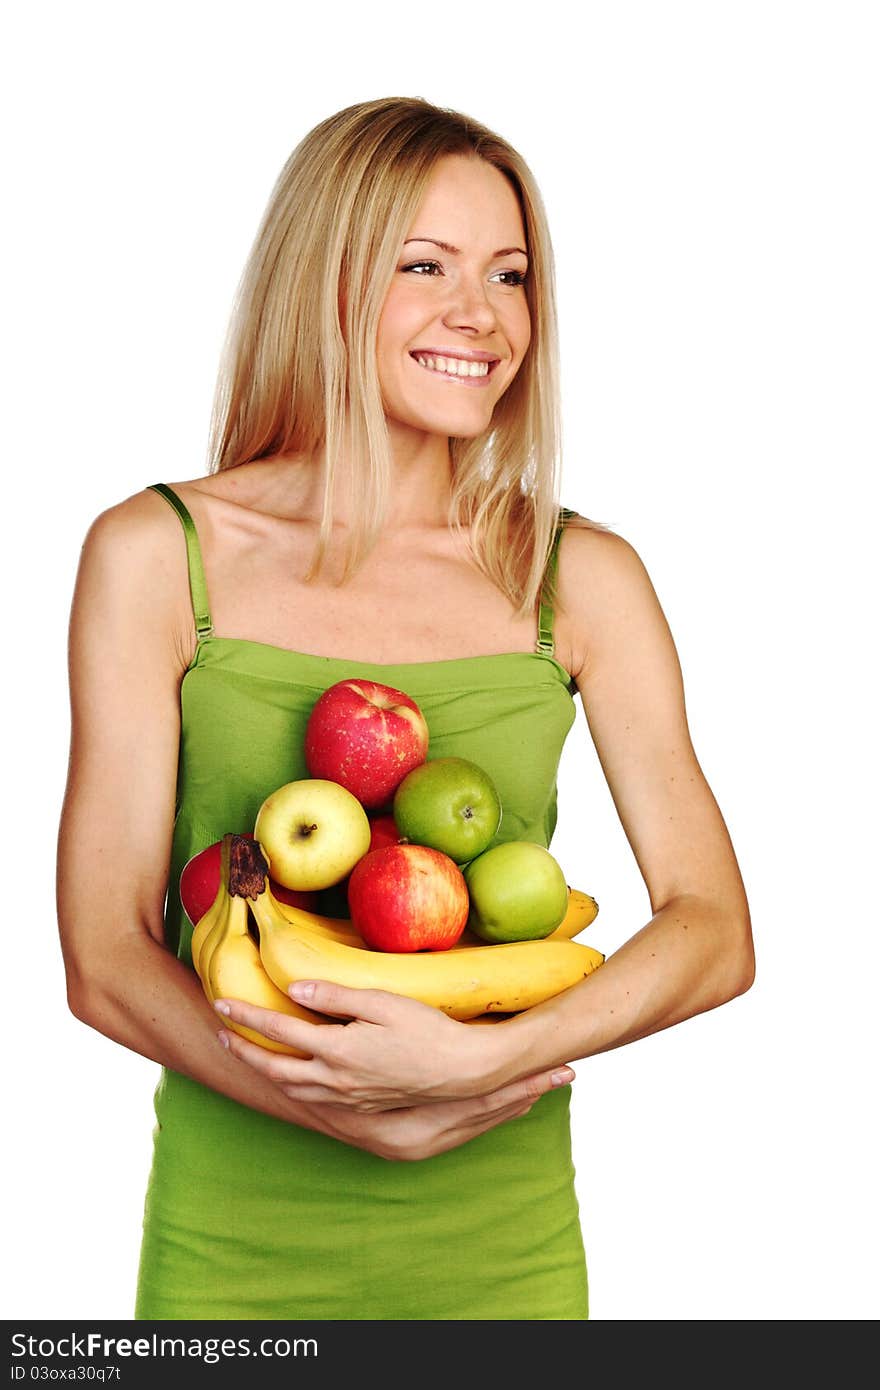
point(710, 176)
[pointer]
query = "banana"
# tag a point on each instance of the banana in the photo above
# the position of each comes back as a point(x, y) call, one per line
point(227, 961)
point(206, 923)
point(582, 910)
point(489, 978)
point(340, 929)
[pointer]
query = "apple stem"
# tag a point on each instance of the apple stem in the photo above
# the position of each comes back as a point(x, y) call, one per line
point(248, 867)
point(306, 830)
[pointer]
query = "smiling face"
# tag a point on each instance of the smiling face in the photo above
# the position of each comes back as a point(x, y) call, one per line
point(465, 300)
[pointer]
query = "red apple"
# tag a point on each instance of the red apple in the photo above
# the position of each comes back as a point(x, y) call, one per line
point(384, 831)
point(333, 902)
point(200, 879)
point(367, 737)
point(408, 898)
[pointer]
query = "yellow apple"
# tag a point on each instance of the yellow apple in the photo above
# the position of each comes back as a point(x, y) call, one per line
point(312, 833)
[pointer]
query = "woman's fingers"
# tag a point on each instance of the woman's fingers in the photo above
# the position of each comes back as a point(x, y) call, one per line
point(330, 1072)
point(314, 1039)
point(524, 1091)
point(388, 1050)
point(372, 1005)
point(507, 1103)
point(305, 1079)
point(427, 1130)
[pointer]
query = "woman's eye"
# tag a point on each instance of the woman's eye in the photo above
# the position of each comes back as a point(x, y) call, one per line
point(517, 277)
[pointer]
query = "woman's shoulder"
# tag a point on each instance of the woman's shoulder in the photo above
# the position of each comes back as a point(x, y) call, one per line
point(144, 519)
point(134, 525)
point(138, 539)
point(133, 561)
point(591, 549)
point(603, 584)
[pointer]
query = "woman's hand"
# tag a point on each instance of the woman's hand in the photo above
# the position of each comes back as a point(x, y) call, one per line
point(394, 1053)
point(407, 1134)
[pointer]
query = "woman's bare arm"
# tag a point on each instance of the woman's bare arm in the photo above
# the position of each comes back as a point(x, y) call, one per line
point(126, 658)
point(696, 952)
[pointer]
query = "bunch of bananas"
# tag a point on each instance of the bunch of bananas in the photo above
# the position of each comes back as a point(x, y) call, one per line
point(472, 982)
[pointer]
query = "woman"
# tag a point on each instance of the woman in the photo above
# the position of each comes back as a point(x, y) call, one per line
point(371, 511)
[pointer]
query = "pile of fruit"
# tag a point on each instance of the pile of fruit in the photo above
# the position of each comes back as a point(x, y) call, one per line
point(437, 914)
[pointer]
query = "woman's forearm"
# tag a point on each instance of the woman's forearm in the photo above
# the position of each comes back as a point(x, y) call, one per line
point(692, 956)
point(149, 1001)
point(153, 1004)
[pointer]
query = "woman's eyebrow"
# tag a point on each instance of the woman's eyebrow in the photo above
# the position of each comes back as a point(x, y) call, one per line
point(454, 250)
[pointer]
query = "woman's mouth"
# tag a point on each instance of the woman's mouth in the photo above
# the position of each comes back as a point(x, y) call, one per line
point(456, 369)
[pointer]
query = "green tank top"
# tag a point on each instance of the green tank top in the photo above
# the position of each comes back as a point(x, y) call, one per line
point(248, 1217)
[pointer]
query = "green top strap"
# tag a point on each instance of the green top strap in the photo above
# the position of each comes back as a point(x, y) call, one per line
point(197, 586)
point(545, 617)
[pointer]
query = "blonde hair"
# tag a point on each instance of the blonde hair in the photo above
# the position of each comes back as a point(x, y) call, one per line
point(291, 376)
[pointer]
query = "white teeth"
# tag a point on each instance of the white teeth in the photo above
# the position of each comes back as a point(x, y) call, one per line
point(453, 366)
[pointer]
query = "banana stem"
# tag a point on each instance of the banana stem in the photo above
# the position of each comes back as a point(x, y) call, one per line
point(248, 868)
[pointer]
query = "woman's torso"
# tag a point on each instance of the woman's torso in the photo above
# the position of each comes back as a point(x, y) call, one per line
point(289, 1222)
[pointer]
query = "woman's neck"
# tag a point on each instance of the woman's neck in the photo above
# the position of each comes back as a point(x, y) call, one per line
point(420, 488)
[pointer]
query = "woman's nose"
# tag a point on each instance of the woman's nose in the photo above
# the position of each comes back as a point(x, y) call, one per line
point(469, 305)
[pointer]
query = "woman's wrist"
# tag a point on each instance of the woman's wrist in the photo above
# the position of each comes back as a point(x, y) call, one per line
point(506, 1052)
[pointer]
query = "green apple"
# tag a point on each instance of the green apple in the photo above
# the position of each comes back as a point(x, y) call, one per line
point(518, 892)
point(449, 804)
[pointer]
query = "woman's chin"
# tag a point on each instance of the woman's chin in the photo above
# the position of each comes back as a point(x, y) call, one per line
point(450, 426)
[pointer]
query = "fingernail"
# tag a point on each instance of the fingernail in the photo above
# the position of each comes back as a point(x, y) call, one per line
point(222, 1007)
point(222, 1038)
point(301, 989)
point(562, 1077)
